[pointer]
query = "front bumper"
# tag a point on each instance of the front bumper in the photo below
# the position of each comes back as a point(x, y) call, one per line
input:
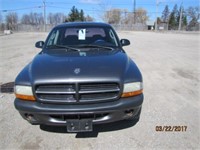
point(51, 114)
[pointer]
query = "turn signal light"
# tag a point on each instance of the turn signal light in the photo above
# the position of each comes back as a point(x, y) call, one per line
point(129, 94)
point(25, 97)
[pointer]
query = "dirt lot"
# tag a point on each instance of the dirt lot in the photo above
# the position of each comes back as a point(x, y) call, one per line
point(170, 67)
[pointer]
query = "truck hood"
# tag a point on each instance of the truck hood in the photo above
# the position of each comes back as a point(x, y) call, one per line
point(78, 67)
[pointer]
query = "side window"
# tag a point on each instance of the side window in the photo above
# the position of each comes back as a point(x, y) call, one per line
point(113, 38)
point(53, 38)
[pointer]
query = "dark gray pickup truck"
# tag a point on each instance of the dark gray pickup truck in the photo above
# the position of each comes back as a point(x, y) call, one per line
point(81, 77)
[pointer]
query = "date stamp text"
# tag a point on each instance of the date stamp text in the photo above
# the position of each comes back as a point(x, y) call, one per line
point(171, 128)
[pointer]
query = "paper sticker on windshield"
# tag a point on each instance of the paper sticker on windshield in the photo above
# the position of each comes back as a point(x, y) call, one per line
point(82, 34)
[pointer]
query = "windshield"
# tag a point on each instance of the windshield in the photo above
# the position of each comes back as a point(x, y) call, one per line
point(82, 37)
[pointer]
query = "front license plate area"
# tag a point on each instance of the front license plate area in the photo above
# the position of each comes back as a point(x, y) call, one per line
point(83, 125)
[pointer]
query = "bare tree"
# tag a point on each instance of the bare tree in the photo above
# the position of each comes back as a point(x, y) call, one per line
point(124, 16)
point(116, 16)
point(56, 18)
point(113, 16)
point(11, 20)
point(1, 19)
point(25, 19)
point(50, 18)
point(130, 18)
point(141, 16)
point(193, 15)
point(104, 6)
point(37, 18)
point(33, 19)
point(2, 25)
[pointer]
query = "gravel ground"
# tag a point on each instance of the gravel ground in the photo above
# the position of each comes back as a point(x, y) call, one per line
point(170, 67)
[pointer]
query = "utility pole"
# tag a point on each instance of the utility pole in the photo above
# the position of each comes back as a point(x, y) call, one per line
point(180, 19)
point(156, 25)
point(44, 6)
point(134, 9)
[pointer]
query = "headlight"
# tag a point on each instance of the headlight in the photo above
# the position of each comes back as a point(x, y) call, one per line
point(24, 92)
point(132, 89)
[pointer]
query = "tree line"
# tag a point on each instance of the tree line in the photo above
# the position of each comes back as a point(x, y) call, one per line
point(189, 21)
point(123, 16)
point(34, 18)
point(189, 17)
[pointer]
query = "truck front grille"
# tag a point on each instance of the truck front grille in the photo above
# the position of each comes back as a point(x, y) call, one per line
point(77, 93)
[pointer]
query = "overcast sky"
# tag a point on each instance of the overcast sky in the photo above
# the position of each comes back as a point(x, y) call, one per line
point(94, 8)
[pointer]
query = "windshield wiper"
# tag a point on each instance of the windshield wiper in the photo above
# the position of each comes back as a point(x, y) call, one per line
point(95, 46)
point(66, 47)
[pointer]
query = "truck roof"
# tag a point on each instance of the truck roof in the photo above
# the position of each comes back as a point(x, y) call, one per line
point(74, 24)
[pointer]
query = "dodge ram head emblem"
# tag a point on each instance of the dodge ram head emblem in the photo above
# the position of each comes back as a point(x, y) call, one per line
point(77, 70)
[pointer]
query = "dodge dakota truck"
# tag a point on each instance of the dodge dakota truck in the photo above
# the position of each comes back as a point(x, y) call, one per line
point(82, 76)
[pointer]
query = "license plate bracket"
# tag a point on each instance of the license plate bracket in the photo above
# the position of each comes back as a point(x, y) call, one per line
point(82, 125)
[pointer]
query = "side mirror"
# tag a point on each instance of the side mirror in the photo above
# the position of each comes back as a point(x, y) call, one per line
point(39, 44)
point(124, 42)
